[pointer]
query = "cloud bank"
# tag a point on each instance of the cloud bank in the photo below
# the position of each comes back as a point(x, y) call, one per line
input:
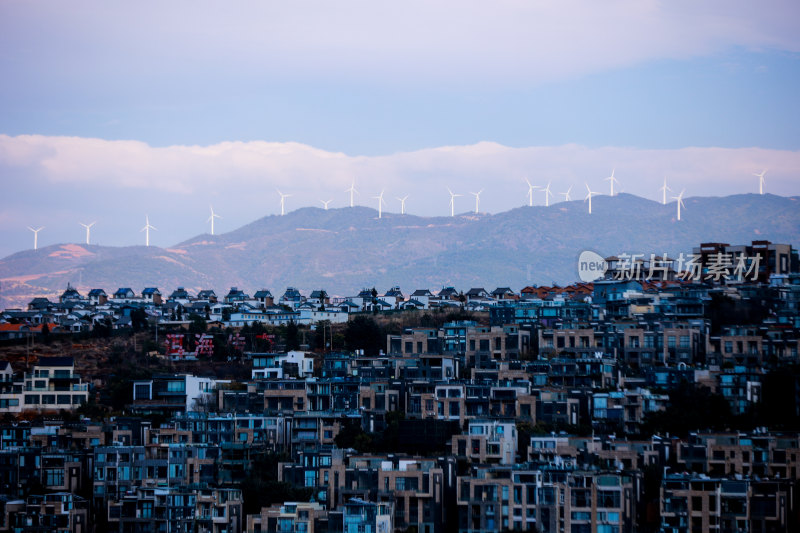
point(60, 181)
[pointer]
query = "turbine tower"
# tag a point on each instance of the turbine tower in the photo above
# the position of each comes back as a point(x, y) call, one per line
point(283, 201)
point(761, 181)
point(547, 195)
point(664, 190)
point(612, 179)
point(679, 198)
point(36, 236)
point(402, 204)
point(452, 202)
point(88, 228)
point(566, 194)
point(589, 195)
point(326, 203)
point(477, 196)
point(381, 203)
point(147, 227)
point(211, 218)
point(351, 190)
point(530, 192)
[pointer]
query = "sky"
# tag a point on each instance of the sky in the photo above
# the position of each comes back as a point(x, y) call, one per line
point(111, 111)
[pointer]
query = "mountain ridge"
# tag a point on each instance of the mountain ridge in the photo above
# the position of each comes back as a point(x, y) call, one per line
point(345, 249)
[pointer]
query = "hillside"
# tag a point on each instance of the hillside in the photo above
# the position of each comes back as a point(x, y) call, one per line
point(343, 250)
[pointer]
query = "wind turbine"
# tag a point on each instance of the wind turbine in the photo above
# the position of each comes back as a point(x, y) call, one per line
point(283, 201)
point(211, 219)
point(452, 202)
point(547, 195)
point(88, 228)
point(530, 192)
point(36, 236)
point(147, 227)
point(326, 203)
point(664, 190)
point(477, 196)
point(761, 181)
point(679, 198)
point(612, 179)
point(402, 204)
point(351, 190)
point(589, 195)
point(381, 203)
point(566, 194)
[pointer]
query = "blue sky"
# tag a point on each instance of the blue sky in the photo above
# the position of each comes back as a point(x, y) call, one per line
point(196, 103)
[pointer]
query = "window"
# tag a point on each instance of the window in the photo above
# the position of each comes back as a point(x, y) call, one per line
point(141, 391)
point(54, 478)
point(176, 386)
point(608, 498)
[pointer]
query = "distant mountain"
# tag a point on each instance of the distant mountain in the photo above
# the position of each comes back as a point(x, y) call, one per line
point(343, 250)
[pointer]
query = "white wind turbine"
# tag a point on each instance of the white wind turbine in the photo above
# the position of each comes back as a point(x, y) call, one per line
point(761, 181)
point(326, 203)
point(664, 190)
point(381, 203)
point(452, 202)
point(36, 236)
point(566, 194)
point(679, 198)
point(477, 196)
point(211, 218)
point(88, 229)
point(547, 195)
point(402, 204)
point(147, 227)
point(612, 179)
point(283, 201)
point(531, 188)
point(352, 190)
point(589, 195)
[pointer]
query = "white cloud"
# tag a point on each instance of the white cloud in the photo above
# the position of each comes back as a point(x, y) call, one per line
point(59, 181)
point(262, 166)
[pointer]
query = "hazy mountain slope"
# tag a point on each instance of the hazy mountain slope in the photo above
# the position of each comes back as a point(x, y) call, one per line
point(345, 249)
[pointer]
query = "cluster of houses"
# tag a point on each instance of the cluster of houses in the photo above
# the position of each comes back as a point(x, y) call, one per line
point(461, 469)
point(533, 420)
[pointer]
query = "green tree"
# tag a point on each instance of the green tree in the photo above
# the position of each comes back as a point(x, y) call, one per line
point(363, 333)
point(292, 336)
point(198, 324)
